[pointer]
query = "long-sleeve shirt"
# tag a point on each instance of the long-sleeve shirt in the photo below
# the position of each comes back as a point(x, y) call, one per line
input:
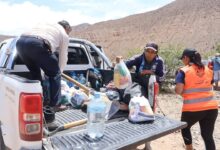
point(57, 37)
point(157, 65)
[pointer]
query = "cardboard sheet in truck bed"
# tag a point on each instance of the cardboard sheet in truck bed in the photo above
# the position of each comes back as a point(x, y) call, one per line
point(117, 135)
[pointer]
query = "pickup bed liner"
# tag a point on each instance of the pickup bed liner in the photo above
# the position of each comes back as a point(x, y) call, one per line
point(68, 116)
point(118, 134)
point(71, 115)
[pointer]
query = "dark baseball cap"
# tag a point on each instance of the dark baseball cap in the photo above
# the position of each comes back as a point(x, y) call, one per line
point(188, 52)
point(152, 46)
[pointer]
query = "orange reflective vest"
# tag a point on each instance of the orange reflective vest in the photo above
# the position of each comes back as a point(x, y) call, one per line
point(197, 93)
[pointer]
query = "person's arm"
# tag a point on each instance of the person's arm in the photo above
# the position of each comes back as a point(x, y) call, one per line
point(133, 61)
point(179, 88)
point(179, 82)
point(63, 56)
point(160, 69)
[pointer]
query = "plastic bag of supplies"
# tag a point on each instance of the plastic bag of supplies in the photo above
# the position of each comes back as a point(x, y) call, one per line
point(140, 110)
point(122, 76)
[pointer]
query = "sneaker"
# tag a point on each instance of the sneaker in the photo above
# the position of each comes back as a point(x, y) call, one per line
point(60, 108)
point(49, 114)
point(51, 126)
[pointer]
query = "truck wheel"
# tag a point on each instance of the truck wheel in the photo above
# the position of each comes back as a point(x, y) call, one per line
point(2, 144)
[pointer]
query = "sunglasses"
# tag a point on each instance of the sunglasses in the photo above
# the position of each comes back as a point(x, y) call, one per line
point(150, 51)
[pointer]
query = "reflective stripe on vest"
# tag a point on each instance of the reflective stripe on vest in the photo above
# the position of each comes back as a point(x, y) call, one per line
point(197, 100)
point(188, 91)
point(198, 93)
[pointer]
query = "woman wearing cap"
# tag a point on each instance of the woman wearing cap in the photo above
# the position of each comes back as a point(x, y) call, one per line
point(194, 84)
point(146, 64)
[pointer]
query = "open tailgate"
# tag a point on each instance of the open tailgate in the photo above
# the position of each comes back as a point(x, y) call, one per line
point(118, 134)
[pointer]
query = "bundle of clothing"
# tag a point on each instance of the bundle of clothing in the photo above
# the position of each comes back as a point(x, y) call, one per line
point(72, 96)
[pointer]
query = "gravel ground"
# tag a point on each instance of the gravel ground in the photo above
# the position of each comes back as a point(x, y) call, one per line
point(170, 105)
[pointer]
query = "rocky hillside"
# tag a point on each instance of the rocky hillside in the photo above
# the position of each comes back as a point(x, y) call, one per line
point(189, 23)
point(3, 37)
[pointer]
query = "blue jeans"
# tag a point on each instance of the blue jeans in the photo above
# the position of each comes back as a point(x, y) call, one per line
point(36, 55)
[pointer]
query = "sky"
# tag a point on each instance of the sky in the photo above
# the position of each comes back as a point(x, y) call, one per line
point(18, 16)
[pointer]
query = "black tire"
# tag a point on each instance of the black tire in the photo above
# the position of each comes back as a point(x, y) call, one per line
point(2, 144)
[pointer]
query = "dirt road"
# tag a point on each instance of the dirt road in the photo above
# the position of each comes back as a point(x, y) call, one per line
point(170, 105)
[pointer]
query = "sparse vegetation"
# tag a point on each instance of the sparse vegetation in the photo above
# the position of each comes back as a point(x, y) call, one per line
point(171, 54)
point(134, 52)
point(217, 47)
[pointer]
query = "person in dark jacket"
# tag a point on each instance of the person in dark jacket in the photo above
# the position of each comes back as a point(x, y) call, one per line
point(147, 63)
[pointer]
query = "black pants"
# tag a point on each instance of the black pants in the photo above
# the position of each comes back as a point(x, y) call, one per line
point(135, 89)
point(35, 54)
point(206, 121)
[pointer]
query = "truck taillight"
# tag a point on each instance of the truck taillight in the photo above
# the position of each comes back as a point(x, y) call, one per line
point(30, 117)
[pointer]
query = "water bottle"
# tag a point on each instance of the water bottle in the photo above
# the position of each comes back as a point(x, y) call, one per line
point(96, 117)
point(82, 79)
point(73, 75)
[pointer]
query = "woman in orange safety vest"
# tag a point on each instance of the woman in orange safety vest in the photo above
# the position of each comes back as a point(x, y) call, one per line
point(194, 84)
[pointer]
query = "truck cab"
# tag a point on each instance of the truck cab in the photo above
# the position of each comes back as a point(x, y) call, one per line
point(82, 55)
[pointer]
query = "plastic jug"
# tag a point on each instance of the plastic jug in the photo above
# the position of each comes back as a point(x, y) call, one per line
point(82, 79)
point(74, 76)
point(96, 117)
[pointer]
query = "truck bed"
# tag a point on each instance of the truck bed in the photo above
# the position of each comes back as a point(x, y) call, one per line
point(119, 133)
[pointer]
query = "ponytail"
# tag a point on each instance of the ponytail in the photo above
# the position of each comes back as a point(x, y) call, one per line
point(197, 60)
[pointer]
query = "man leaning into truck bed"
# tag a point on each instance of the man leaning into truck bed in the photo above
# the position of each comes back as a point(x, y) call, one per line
point(36, 49)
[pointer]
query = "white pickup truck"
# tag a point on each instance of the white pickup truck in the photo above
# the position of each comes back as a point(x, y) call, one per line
point(21, 99)
point(21, 116)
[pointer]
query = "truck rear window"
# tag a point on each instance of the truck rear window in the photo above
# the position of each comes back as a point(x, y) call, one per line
point(77, 56)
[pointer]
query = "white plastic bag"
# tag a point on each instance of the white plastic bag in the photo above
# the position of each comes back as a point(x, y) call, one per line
point(140, 110)
point(122, 76)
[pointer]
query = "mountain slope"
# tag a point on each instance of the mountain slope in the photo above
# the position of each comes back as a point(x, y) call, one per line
point(190, 23)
